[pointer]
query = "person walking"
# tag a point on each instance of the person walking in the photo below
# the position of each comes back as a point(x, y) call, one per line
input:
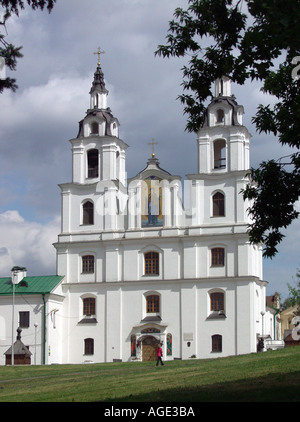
point(159, 355)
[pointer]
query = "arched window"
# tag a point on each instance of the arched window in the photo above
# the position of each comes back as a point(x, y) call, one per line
point(217, 257)
point(153, 304)
point(118, 159)
point(88, 213)
point(88, 346)
point(219, 154)
point(151, 263)
point(89, 306)
point(221, 87)
point(114, 129)
point(93, 163)
point(95, 126)
point(216, 343)
point(88, 264)
point(218, 205)
point(217, 301)
point(220, 116)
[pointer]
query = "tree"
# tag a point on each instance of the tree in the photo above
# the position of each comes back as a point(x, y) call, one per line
point(262, 44)
point(9, 52)
point(294, 298)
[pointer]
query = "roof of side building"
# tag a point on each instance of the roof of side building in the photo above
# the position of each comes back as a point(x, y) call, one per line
point(30, 285)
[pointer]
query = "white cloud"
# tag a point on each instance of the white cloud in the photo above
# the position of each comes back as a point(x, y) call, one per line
point(46, 104)
point(27, 244)
point(11, 216)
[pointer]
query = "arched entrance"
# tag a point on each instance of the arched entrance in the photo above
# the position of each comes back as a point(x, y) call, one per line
point(149, 346)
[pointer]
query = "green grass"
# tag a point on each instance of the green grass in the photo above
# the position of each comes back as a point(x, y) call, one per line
point(271, 376)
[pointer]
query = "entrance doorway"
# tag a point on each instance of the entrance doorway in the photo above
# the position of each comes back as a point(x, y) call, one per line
point(149, 346)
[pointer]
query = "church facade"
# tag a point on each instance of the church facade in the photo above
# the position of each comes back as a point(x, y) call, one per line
point(138, 266)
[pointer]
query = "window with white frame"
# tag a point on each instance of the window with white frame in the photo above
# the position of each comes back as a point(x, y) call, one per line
point(216, 305)
point(88, 346)
point(89, 306)
point(218, 205)
point(220, 116)
point(217, 301)
point(219, 154)
point(88, 264)
point(152, 305)
point(216, 343)
point(217, 257)
point(151, 260)
point(93, 163)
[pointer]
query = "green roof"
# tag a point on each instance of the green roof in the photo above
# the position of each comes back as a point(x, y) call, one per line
point(30, 285)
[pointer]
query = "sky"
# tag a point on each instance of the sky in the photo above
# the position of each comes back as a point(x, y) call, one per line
point(54, 79)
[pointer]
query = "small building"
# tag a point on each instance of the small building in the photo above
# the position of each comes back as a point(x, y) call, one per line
point(22, 355)
point(30, 303)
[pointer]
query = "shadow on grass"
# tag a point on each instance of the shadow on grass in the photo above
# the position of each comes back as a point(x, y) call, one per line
point(277, 387)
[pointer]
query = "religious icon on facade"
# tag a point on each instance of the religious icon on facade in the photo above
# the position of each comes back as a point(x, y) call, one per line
point(152, 203)
point(169, 344)
point(133, 346)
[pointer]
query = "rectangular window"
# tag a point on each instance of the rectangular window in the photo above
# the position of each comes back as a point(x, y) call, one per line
point(216, 343)
point(217, 257)
point(89, 346)
point(93, 156)
point(24, 319)
point(152, 304)
point(151, 263)
point(89, 306)
point(217, 301)
point(88, 264)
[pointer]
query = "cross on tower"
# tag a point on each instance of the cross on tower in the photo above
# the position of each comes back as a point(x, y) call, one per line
point(99, 52)
point(153, 143)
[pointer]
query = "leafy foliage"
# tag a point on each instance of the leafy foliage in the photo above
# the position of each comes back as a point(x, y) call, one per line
point(274, 185)
point(14, 6)
point(259, 44)
point(7, 50)
point(294, 298)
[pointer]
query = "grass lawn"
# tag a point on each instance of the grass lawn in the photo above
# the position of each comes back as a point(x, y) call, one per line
point(271, 376)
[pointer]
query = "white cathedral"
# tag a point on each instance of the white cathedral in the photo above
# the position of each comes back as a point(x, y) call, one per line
point(137, 267)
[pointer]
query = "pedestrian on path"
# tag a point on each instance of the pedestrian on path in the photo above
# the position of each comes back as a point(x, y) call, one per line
point(159, 355)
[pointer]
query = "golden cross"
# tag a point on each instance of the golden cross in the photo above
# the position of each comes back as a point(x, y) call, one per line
point(153, 143)
point(99, 52)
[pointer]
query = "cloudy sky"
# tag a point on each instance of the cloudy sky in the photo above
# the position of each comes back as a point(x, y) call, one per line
point(54, 79)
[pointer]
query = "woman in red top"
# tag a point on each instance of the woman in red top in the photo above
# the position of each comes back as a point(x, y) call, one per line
point(159, 355)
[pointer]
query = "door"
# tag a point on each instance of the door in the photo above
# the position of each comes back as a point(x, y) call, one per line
point(18, 360)
point(149, 346)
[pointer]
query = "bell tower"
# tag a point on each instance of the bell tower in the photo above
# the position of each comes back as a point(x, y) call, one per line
point(90, 200)
point(223, 162)
point(98, 152)
point(223, 141)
